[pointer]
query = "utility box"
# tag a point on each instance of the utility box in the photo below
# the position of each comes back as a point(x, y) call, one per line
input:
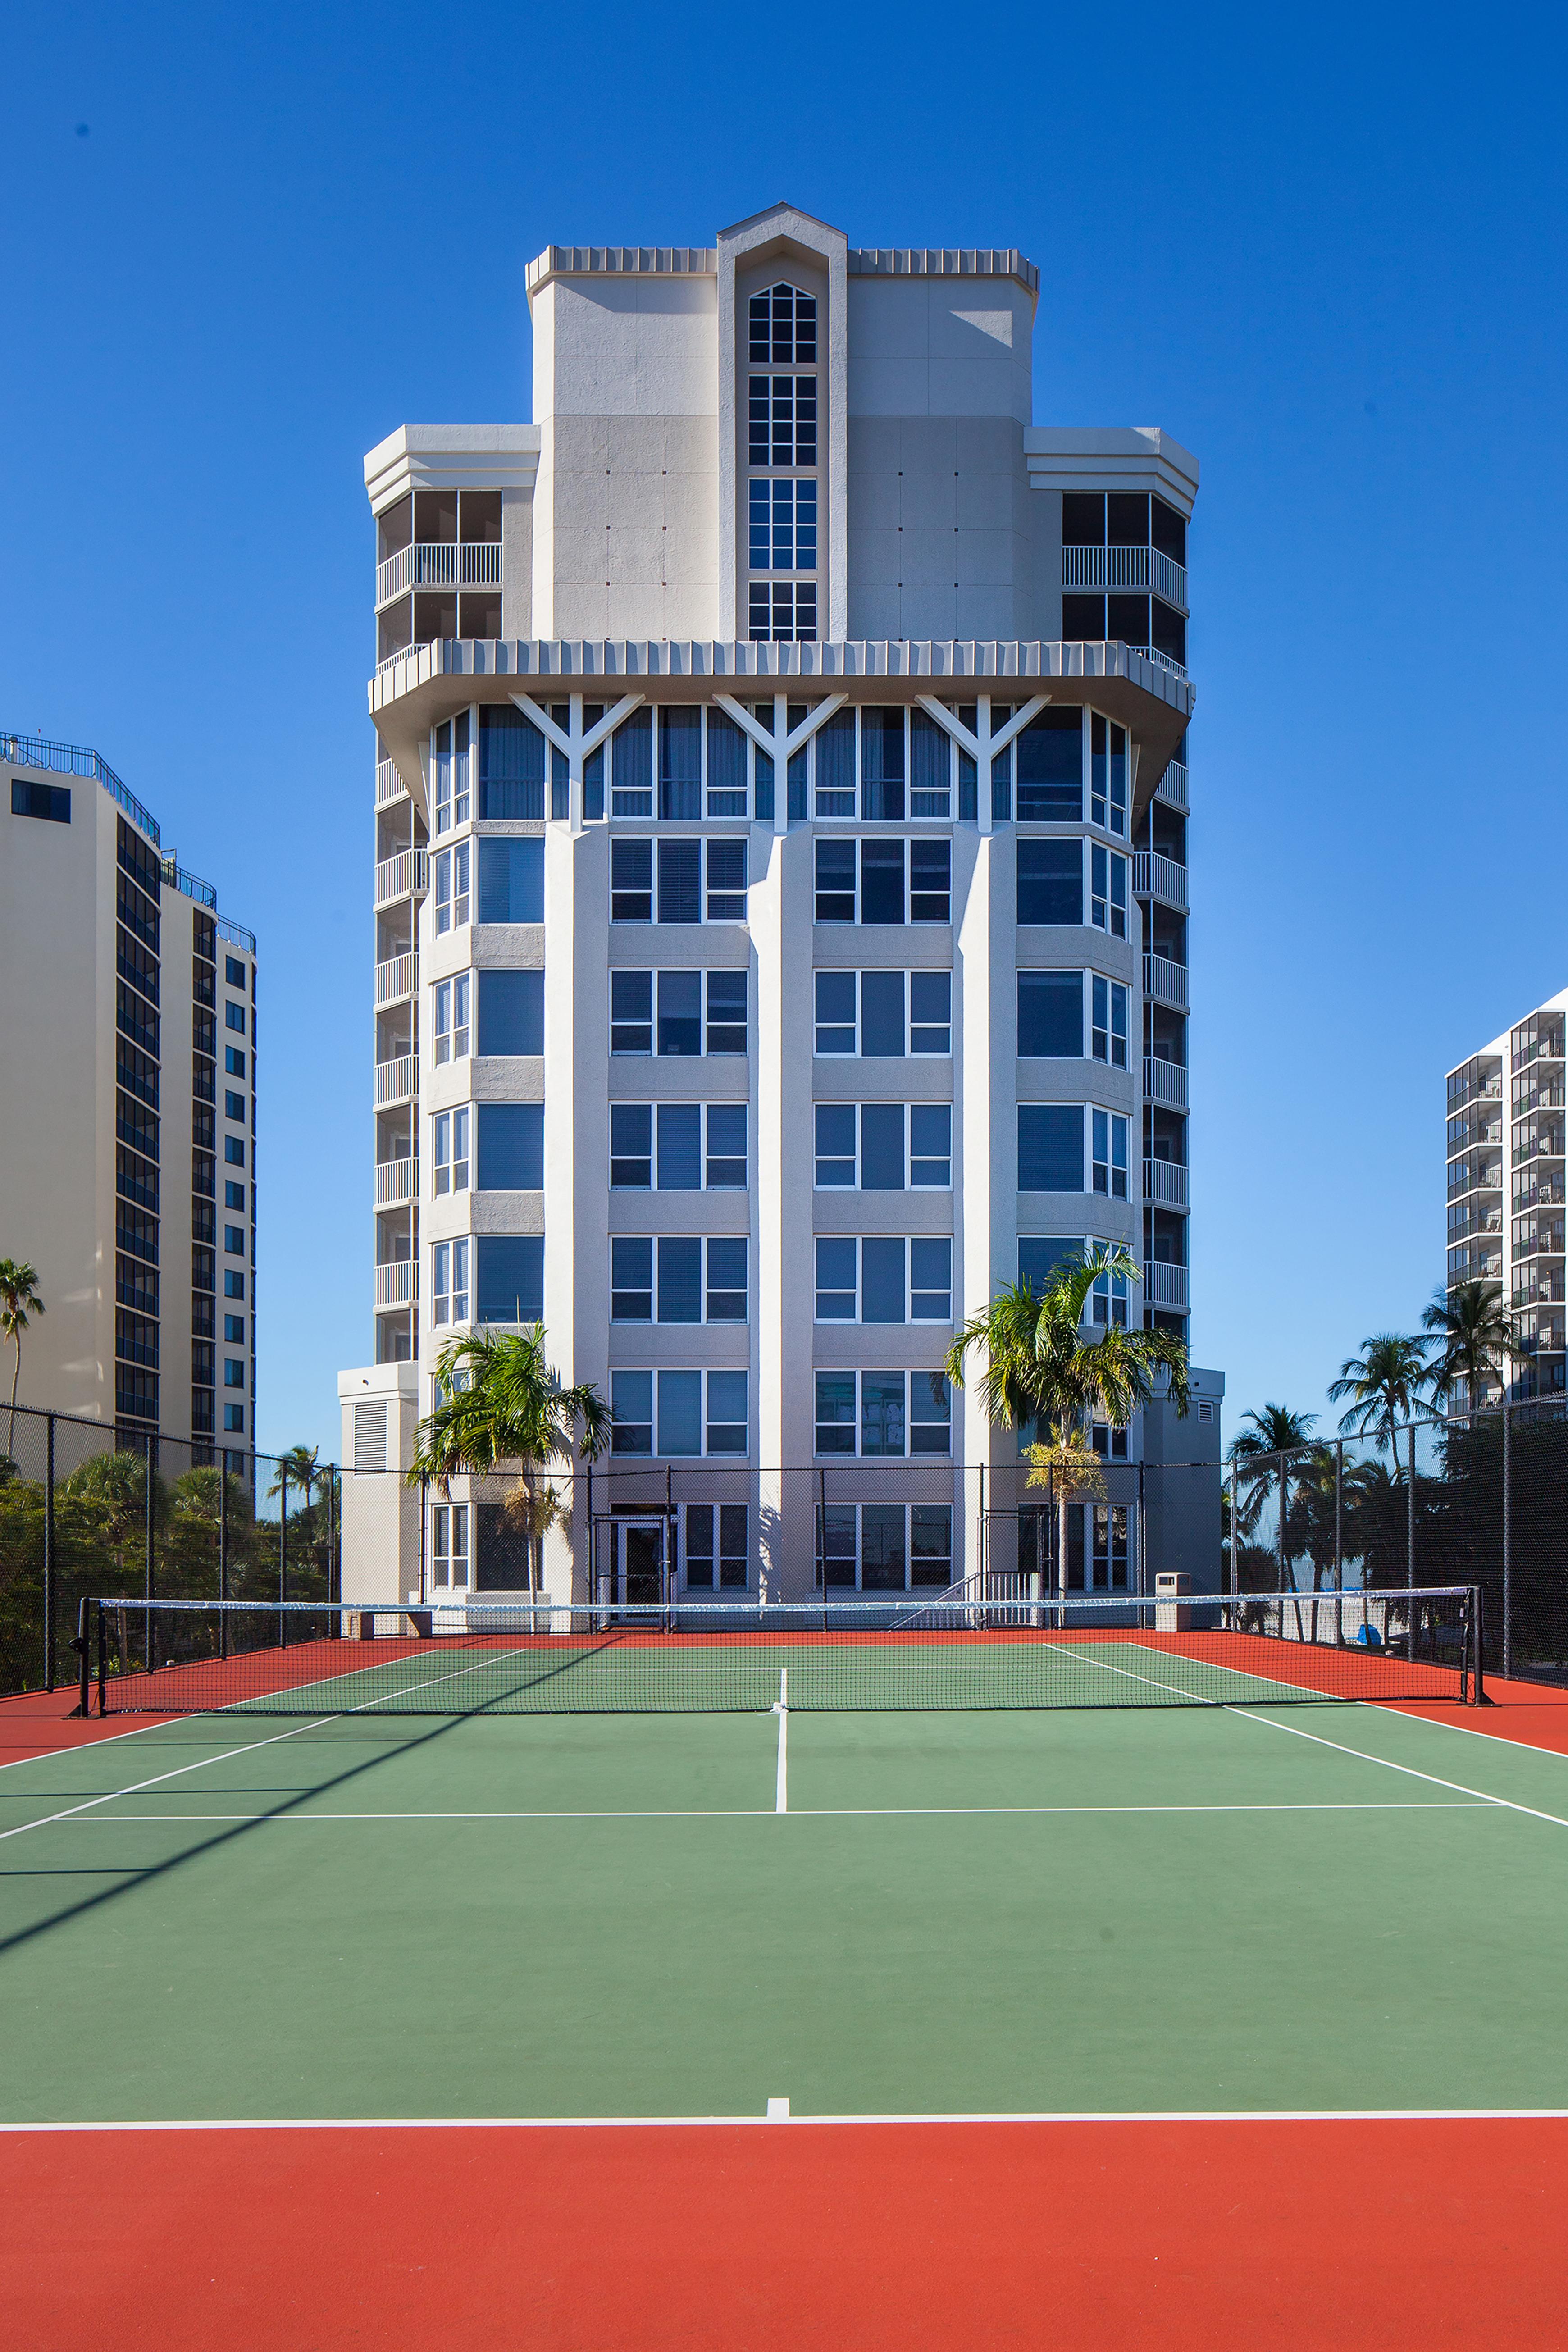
point(1172, 1612)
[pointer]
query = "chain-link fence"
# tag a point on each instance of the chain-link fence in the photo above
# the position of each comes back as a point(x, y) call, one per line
point(89, 1509)
point(1481, 1500)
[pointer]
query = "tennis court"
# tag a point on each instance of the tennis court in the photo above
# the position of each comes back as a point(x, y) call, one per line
point(892, 1910)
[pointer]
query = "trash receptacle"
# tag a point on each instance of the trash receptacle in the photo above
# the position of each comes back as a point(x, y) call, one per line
point(1171, 1614)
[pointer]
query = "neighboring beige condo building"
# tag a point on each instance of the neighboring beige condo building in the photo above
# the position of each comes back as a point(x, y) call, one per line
point(781, 911)
point(127, 1108)
point(1505, 1144)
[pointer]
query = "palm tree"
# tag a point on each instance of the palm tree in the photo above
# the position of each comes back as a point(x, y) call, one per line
point(297, 1465)
point(1476, 1337)
point(19, 1298)
point(1040, 1366)
point(497, 1401)
point(1385, 1384)
point(1277, 1429)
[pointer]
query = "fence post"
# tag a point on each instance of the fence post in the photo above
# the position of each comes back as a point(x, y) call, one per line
point(49, 1556)
point(222, 1551)
point(822, 1540)
point(84, 1662)
point(473, 1543)
point(1279, 1532)
point(1234, 1541)
point(282, 1546)
point(148, 1572)
point(1506, 1538)
point(1340, 1518)
point(1143, 1535)
point(333, 1529)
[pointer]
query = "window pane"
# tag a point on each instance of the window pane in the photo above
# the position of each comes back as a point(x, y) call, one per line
point(680, 760)
point(726, 881)
point(882, 1563)
point(882, 1014)
point(835, 1279)
point(881, 1279)
point(882, 881)
point(631, 765)
point(1051, 1148)
point(680, 1013)
point(726, 1168)
point(511, 1283)
point(931, 881)
point(834, 1143)
point(836, 1412)
point(1039, 1256)
point(631, 881)
point(679, 1278)
point(631, 1013)
point(883, 1414)
point(727, 1420)
point(679, 1412)
point(930, 1143)
point(511, 1147)
point(1050, 769)
point(931, 1414)
point(679, 873)
point(836, 1011)
point(931, 1013)
point(631, 1146)
point(512, 1012)
point(835, 880)
point(511, 881)
point(930, 1281)
point(881, 1147)
point(631, 1278)
point(835, 743)
point(726, 1299)
point(631, 1403)
point(726, 1012)
point(931, 1543)
point(1050, 882)
point(679, 1147)
point(726, 766)
point(1050, 1015)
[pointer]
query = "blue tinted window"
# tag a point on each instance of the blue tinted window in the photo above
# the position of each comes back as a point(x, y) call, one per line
point(679, 1278)
point(881, 1147)
point(511, 881)
point(1051, 1148)
point(511, 1147)
point(680, 1413)
point(882, 1014)
point(512, 1012)
point(881, 1279)
point(680, 1147)
point(1050, 882)
point(1050, 1015)
point(510, 1285)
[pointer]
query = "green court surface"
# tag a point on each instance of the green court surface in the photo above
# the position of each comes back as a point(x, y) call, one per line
point(1099, 1910)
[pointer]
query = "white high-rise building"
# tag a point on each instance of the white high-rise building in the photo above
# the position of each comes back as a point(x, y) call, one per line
point(781, 894)
point(127, 1109)
point(1505, 1152)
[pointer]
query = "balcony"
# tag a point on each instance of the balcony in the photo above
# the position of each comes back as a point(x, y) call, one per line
point(1164, 661)
point(397, 1081)
point(396, 978)
point(397, 1180)
point(1171, 787)
point(1164, 1184)
point(389, 784)
point(1154, 877)
point(406, 875)
point(1164, 1083)
point(398, 1285)
point(439, 564)
point(1165, 982)
point(1125, 567)
point(1164, 1286)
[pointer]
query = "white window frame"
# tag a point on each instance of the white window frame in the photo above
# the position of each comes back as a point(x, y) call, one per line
point(1105, 920)
point(706, 1154)
point(449, 1554)
point(708, 1289)
point(910, 1452)
point(855, 975)
point(909, 1184)
point(1114, 989)
point(622, 1373)
point(450, 1133)
point(450, 1293)
point(855, 1293)
point(1116, 1120)
point(720, 1552)
point(909, 921)
point(836, 1509)
point(453, 1005)
point(451, 893)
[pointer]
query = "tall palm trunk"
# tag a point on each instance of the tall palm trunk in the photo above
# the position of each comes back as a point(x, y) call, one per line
point(15, 1382)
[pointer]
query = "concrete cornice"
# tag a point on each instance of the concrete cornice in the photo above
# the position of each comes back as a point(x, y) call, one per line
point(703, 261)
point(944, 261)
point(1110, 457)
point(620, 261)
point(451, 456)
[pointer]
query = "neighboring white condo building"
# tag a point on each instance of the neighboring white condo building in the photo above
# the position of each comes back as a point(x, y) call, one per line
point(1505, 1141)
point(127, 1108)
point(781, 903)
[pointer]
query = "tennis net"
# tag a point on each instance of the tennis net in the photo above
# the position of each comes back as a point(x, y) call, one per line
point(505, 1657)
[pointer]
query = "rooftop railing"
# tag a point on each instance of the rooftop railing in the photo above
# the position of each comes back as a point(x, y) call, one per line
point(80, 759)
point(439, 564)
point(1116, 568)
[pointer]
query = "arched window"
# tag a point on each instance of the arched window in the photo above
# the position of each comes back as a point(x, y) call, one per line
point(784, 327)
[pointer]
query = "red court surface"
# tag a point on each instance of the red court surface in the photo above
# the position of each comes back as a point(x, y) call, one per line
point(1321, 2233)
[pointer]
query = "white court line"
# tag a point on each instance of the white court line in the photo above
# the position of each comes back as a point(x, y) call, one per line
point(1506, 1804)
point(69, 1813)
point(725, 2123)
point(1478, 1804)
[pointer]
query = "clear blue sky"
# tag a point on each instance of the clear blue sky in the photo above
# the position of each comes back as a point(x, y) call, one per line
point(1323, 249)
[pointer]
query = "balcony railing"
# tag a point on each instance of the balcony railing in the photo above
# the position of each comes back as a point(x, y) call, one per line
point(397, 1081)
point(397, 977)
point(1154, 877)
point(1164, 1286)
point(406, 875)
point(1164, 1083)
point(440, 564)
point(1164, 661)
point(237, 935)
point(389, 784)
point(1171, 787)
point(1166, 982)
point(1164, 1184)
point(397, 1180)
point(1125, 567)
point(398, 1285)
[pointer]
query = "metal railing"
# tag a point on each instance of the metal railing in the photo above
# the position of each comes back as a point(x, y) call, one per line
point(405, 876)
point(389, 785)
point(397, 1180)
point(1165, 1285)
point(402, 653)
point(398, 1285)
point(1126, 567)
point(1164, 1083)
point(397, 977)
point(440, 564)
point(1161, 661)
point(80, 759)
point(1166, 982)
point(1154, 877)
point(1166, 1184)
point(397, 1081)
point(189, 886)
point(237, 935)
point(1171, 787)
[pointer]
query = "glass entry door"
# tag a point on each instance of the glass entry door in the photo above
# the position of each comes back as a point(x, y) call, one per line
point(639, 1563)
